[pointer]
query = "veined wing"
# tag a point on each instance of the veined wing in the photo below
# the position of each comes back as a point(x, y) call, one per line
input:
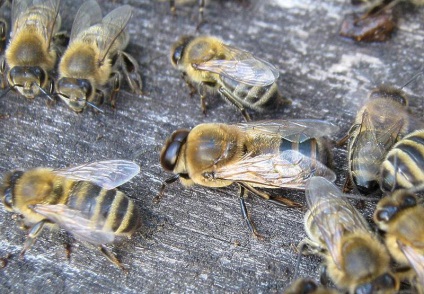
point(74, 222)
point(108, 174)
point(243, 67)
point(415, 259)
point(295, 130)
point(289, 169)
point(333, 214)
point(88, 14)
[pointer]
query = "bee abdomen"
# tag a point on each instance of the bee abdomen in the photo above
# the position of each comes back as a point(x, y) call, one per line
point(310, 148)
point(255, 97)
point(404, 164)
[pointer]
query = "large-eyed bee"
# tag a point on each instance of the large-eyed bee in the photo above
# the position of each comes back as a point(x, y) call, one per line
point(403, 166)
point(239, 77)
point(30, 54)
point(81, 200)
point(378, 126)
point(355, 260)
point(269, 154)
point(94, 57)
point(308, 286)
point(401, 217)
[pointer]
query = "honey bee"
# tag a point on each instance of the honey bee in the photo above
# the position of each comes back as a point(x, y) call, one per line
point(239, 77)
point(30, 54)
point(95, 56)
point(355, 260)
point(81, 200)
point(266, 154)
point(401, 217)
point(403, 166)
point(308, 286)
point(378, 126)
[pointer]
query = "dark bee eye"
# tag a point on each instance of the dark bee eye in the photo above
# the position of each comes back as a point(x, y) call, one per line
point(386, 213)
point(8, 199)
point(178, 52)
point(385, 281)
point(40, 74)
point(8, 191)
point(364, 289)
point(171, 150)
point(309, 287)
point(408, 200)
point(86, 86)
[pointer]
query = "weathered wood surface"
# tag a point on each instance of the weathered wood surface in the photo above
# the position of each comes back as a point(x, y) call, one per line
point(195, 239)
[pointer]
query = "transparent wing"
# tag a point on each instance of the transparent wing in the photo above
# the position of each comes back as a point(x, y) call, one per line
point(295, 130)
point(88, 14)
point(23, 12)
point(333, 214)
point(74, 222)
point(415, 259)
point(113, 29)
point(243, 67)
point(289, 169)
point(108, 174)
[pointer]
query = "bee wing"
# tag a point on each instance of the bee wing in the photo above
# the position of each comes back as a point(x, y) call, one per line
point(296, 130)
point(415, 259)
point(289, 169)
point(88, 14)
point(332, 213)
point(76, 223)
point(113, 26)
point(108, 174)
point(243, 67)
point(50, 12)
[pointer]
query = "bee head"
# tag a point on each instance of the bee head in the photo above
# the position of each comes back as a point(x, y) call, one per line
point(385, 282)
point(7, 190)
point(171, 149)
point(388, 207)
point(74, 92)
point(177, 50)
point(27, 80)
point(391, 93)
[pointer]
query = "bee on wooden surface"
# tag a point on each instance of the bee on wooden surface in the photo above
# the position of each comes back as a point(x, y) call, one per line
point(30, 54)
point(239, 77)
point(308, 286)
point(269, 154)
point(355, 260)
point(401, 217)
point(403, 166)
point(378, 126)
point(81, 200)
point(95, 57)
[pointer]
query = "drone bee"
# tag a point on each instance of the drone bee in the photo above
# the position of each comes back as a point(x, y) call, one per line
point(239, 77)
point(401, 217)
point(30, 54)
point(355, 260)
point(81, 200)
point(378, 126)
point(95, 56)
point(308, 286)
point(403, 167)
point(269, 154)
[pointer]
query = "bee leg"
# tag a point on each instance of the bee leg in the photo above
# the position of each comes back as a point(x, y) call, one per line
point(162, 188)
point(189, 84)
point(111, 257)
point(202, 92)
point(201, 20)
point(245, 214)
point(235, 102)
point(323, 278)
point(130, 69)
point(32, 235)
point(116, 78)
point(172, 7)
point(3, 82)
point(342, 141)
point(348, 184)
point(279, 200)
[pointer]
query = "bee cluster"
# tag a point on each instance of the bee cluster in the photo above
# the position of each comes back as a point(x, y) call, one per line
point(86, 68)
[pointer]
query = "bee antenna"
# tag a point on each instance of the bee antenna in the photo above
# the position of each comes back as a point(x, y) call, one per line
point(299, 259)
point(45, 93)
point(5, 92)
point(95, 107)
point(420, 72)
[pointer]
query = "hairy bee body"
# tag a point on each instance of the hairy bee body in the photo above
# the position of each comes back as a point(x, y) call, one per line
point(82, 200)
point(403, 166)
point(30, 55)
point(239, 77)
point(378, 126)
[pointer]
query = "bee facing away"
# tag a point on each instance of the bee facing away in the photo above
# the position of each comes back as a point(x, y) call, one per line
point(81, 200)
point(378, 126)
point(95, 57)
point(403, 167)
point(355, 260)
point(30, 54)
point(307, 286)
point(401, 217)
point(239, 77)
point(269, 154)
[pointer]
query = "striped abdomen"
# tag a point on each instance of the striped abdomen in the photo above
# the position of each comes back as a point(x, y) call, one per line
point(316, 149)
point(255, 97)
point(108, 210)
point(404, 164)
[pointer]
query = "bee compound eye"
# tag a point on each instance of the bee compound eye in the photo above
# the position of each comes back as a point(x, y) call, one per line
point(8, 199)
point(386, 214)
point(309, 287)
point(169, 155)
point(364, 289)
point(408, 200)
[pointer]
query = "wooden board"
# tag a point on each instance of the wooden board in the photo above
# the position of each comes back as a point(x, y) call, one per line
point(195, 240)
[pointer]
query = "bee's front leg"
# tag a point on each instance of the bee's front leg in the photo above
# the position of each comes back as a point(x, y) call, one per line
point(245, 214)
point(33, 233)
